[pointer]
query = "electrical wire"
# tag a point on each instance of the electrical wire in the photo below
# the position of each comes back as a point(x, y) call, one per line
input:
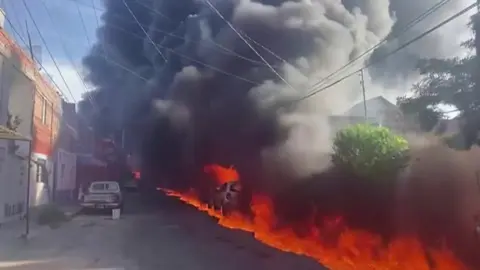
point(219, 46)
point(191, 59)
point(17, 21)
point(83, 22)
point(448, 20)
point(48, 50)
point(194, 60)
point(63, 44)
point(155, 11)
point(111, 61)
point(35, 59)
point(95, 13)
point(248, 43)
point(88, 96)
point(407, 27)
point(144, 31)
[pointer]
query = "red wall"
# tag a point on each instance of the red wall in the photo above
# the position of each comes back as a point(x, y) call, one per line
point(45, 131)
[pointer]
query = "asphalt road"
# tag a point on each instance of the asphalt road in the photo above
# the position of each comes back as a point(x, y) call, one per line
point(166, 235)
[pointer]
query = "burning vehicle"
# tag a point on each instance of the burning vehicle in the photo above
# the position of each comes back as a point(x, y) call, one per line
point(225, 198)
point(226, 190)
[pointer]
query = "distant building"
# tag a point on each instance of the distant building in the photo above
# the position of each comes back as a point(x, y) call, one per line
point(46, 127)
point(380, 112)
point(65, 156)
point(90, 167)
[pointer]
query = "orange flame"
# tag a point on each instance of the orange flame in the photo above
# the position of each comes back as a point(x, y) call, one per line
point(353, 249)
point(222, 175)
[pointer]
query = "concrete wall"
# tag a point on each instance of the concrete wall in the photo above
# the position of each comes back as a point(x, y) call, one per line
point(65, 158)
point(17, 88)
point(65, 176)
point(13, 183)
point(23, 89)
point(41, 180)
point(20, 102)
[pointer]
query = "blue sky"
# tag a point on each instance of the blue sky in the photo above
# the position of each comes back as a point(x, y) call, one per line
point(64, 20)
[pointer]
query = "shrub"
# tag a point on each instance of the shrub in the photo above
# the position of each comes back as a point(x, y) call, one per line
point(369, 152)
point(51, 215)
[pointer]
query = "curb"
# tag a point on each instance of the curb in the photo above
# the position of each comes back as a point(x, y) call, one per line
point(73, 214)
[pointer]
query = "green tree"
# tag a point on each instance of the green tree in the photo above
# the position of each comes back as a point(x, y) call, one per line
point(447, 82)
point(370, 152)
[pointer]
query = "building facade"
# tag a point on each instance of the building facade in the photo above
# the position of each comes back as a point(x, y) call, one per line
point(17, 89)
point(380, 112)
point(34, 107)
point(65, 157)
point(47, 111)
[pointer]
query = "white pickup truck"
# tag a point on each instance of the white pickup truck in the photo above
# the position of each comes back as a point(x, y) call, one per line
point(103, 195)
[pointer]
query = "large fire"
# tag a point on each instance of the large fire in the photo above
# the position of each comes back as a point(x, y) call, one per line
point(352, 249)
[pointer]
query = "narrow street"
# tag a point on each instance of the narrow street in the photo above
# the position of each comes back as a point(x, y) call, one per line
point(171, 237)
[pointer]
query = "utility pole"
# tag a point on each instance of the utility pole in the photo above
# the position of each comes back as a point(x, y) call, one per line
point(362, 82)
point(123, 138)
point(29, 157)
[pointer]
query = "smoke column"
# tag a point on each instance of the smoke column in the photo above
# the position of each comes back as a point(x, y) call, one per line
point(202, 95)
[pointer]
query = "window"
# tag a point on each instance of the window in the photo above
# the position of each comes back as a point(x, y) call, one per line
point(40, 175)
point(105, 186)
point(62, 171)
point(44, 111)
point(98, 186)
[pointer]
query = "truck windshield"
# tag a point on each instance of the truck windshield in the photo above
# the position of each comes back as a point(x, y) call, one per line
point(104, 186)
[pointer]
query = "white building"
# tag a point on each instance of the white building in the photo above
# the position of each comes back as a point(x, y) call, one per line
point(16, 110)
point(14, 156)
point(380, 112)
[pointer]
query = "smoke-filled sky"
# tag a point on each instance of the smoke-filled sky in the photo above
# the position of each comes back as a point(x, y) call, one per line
point(67, 22)
point(213, 88)
point(221, 74)
point(314, 37)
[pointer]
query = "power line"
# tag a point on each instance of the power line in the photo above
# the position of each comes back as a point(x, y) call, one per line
point(451, 18)
point(407, 27)
point(216, 43)
point(95, 13)
point(88, 96)
point(219, 70)
point(247, 43)
point(194, 60)
point(155, 11)
point(213, 42)
point(145, 32)
point(48, 50)
point(83, 22)
point(15, 18)
point(111, 61)
point(35, 59)
point(63, 43)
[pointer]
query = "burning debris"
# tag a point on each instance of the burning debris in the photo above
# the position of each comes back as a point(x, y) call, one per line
point(329, 240)
point(192, 92)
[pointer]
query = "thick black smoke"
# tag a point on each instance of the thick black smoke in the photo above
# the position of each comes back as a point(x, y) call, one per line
point(202, 95)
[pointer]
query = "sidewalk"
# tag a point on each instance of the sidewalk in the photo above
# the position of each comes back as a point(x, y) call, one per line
point(15, 229)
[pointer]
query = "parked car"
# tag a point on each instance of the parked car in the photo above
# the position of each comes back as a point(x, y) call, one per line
point(103, 195)
point(225, 197)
